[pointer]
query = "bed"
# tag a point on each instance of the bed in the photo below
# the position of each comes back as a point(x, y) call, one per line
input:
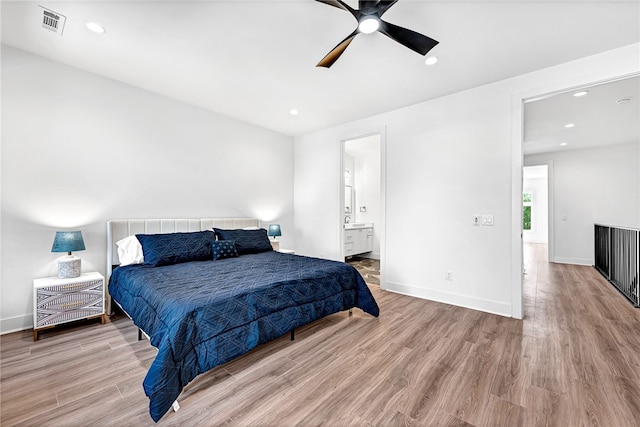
point(202, 310)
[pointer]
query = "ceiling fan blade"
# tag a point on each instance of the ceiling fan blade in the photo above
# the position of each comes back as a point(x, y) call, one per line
point(383, 6)
point(340, 5)
point(333, 56)
point(414, 41)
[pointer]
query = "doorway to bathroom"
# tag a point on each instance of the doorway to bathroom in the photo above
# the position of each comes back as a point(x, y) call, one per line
point(363, 210)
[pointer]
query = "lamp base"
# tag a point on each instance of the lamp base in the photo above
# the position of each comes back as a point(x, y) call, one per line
point(68, 267)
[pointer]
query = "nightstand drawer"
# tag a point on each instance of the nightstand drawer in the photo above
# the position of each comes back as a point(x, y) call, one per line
point(58, 301)
point(59, 304)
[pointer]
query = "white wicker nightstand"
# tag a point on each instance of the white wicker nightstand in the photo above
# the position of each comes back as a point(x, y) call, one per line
point(57, 301)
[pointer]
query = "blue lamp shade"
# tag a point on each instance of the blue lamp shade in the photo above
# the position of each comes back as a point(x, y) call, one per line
point(68, 241)
point(274, 230)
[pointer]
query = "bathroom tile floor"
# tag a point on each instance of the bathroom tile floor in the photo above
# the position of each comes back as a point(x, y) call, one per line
point(368, 268)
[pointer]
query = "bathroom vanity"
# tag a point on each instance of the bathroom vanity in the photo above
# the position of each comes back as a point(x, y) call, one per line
point(358, 238)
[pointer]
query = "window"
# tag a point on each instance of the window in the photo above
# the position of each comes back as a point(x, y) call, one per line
point(526, 211)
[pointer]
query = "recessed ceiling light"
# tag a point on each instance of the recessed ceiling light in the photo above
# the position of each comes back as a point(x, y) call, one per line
point(581, 93)
point(569, 125)
point(369, 25)
point(623, 101)
point(96, 28)
point(293, 112)
point(564, 144)
point(431, 60)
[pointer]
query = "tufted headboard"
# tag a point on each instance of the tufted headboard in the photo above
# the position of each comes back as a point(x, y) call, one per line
point(120, 228)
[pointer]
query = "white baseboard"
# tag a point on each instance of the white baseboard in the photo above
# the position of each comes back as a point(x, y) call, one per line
point(576, 261)
point(15, 324)
point(480, 304)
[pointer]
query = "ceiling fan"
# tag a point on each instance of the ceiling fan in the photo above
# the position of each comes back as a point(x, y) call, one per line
point(369, 15)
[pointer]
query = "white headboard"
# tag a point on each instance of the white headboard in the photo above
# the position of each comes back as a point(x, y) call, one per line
point(120, 228)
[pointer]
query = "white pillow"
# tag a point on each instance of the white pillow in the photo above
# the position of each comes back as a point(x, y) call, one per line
point(252, 227)
point(130, 251)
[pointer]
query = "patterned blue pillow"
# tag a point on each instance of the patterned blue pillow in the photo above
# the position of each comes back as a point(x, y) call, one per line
point(224, 249)
point(174, 248)
point(247, 241)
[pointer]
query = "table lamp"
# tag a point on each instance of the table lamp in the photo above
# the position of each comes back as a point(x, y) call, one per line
point(274, 231)
point(68, 241)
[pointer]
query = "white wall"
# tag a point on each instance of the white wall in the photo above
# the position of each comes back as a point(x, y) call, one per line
point(349, 165)
point(446, 160)
point(79, 149)
point(596, 185)
point(367, 187)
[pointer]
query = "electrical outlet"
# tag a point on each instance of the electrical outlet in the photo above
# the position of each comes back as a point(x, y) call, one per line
point(448, 275)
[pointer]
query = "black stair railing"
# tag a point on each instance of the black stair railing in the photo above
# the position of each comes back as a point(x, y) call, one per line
point(617, 258)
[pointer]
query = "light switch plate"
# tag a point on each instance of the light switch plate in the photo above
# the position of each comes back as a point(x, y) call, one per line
point(477, 219)
point(487, 220)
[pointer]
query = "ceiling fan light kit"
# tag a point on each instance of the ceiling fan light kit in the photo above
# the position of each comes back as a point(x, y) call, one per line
point(369, 17)
point(369, 25)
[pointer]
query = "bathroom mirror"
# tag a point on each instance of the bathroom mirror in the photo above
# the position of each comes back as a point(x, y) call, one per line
point(348, 196)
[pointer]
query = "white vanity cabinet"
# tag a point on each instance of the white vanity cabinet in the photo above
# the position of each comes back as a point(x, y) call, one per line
point(358, 240)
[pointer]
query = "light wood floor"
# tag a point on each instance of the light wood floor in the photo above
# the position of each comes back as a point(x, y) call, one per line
point(573, 361)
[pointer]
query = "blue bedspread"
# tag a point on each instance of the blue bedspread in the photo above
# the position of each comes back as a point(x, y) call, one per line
point(204, 313)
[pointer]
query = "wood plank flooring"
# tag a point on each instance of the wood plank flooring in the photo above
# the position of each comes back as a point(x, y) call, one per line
point(573, 361)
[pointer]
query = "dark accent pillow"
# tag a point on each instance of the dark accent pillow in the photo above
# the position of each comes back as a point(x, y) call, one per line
point(247, 241)
point(174, 248)
point(224, 249)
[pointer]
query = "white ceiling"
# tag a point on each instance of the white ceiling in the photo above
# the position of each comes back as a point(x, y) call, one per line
point(598, 117)
point(255, 59)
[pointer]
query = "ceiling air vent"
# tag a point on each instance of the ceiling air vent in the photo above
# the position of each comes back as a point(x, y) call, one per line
point(53, 21)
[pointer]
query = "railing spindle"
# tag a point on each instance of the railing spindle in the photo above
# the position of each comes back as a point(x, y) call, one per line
point(617, 258)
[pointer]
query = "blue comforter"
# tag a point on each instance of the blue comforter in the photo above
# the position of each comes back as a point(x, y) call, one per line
point(204, 313)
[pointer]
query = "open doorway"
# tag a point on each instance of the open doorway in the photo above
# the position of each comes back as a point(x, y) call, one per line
point(588, 136)
point(536, 207)
point(587, 139)
point(363, 210)
point(535, 204)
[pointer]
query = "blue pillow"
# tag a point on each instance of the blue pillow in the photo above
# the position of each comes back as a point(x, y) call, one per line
point(174, 248)
point(224, 249)
point(247, 241)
